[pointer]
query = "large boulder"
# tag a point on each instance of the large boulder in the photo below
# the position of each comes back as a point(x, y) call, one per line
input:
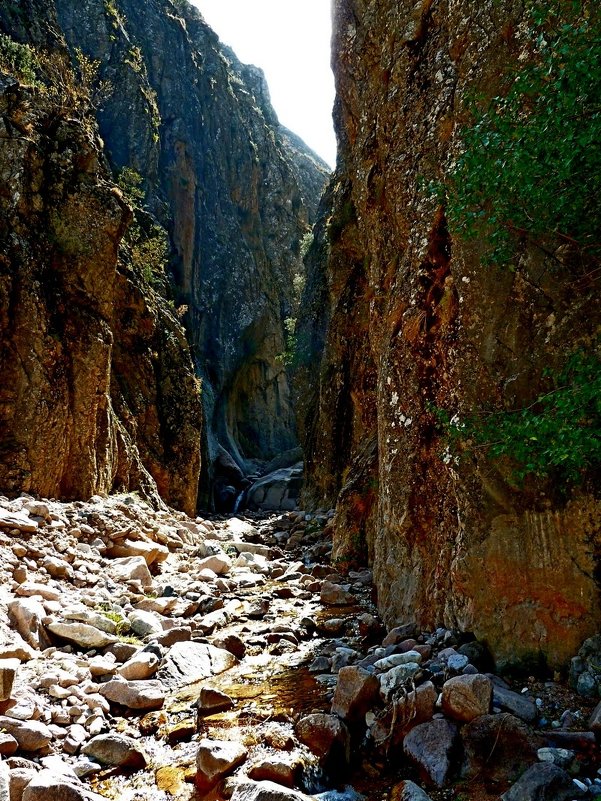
point(277, 491)
point(433, 748)
point(216, 759)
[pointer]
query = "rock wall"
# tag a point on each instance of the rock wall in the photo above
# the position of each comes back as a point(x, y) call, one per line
point(406, 316)
point(235, 189)
point(98, 391)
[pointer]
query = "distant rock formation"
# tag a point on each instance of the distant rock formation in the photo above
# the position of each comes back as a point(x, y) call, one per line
point(236, 192)
point(403, 318)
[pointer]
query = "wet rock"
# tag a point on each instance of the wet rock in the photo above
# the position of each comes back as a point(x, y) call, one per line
point(327, 737)
point(216, 759)
point(31, 735)
point(134, 694)
point(231, 643)
point(117, 750)
point(335, 595)
point(281, 769)
point(8, 671)
point(408, 791)
point(188, 662)
point(544, 781)
point(516, 703)
point(432, 747)
point(211, 701)
point(356, 691)
point(498, 747)
point(81, 634)
point(466, 697)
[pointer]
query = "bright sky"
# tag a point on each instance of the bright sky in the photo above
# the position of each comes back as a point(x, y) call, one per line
point(290, 41)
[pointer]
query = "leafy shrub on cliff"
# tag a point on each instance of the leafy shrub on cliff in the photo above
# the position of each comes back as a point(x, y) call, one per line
point(20, 60)
point(530, 166)
point(558, 435)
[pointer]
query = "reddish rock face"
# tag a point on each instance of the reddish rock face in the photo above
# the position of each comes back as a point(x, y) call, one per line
point(407, 318)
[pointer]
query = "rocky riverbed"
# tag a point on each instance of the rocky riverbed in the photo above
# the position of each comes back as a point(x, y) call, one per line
point(148, 655)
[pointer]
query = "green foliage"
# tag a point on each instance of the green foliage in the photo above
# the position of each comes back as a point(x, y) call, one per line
point(287, 357)
point(21, 60)
point(111, 9)
point(130, 183)
point(530, 166)
point(559, 435)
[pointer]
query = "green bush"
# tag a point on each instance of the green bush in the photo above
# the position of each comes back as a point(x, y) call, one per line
point(530, 164)
point(558, 435)
point(20, 60)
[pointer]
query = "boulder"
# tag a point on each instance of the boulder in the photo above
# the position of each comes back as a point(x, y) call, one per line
point(277, 491)
point(117, 750)
point(432, 747)
point(216, 759)
point(26, 615)
point(211, 701)
point(266, 791)
point(144, 623)
point(327, 737)
point(130, 568)
point(408, 791)
point(48, 785)
point(335, 595)
point(544, 781)
point(408, 711)
point(188, 662)
point(396, 677)
point(81, 634)
point(134, 694)
point(356, 691)
point(516, 703)
point(142, 665)
point(279, 768)
point(31, 735)
point(498, 747)
point(151, 552)
point(466, 697)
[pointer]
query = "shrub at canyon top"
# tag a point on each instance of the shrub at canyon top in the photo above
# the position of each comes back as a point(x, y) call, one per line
point(530, 167)
point(529, 173)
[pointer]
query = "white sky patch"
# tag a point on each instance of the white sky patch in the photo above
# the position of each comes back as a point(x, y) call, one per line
point(290, 41)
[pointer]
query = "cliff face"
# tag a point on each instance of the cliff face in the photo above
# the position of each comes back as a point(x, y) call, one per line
point(98, 390)
point(410, 319)
point(236, 192)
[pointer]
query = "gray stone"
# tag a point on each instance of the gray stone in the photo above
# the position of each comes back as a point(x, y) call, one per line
point(544, 782)
point(457, 662)
point(397, 677)
point(188, 662)
point(134, 694)
point(397, 659)
point(516, 703)
point(432, 746)
point(117, 750)
point(144, 623)
point(26, 614)
point(81, 634)
point(562, 757)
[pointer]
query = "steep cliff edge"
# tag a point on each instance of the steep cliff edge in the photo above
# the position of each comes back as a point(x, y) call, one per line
point(411, 321)
point(98, 391)
point(236, 191)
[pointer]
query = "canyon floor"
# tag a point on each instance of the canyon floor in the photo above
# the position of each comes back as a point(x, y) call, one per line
point(148, 655)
